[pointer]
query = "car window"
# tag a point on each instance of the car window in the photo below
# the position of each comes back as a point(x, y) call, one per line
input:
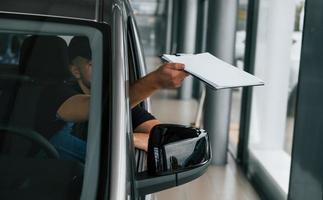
point(9, 48)
point(45, 96)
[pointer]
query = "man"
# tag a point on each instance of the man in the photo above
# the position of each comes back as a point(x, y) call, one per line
point(74, 110)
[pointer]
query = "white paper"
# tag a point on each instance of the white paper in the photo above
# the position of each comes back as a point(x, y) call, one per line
point(213, 71)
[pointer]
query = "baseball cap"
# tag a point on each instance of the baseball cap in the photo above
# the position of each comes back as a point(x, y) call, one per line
point(79, 46)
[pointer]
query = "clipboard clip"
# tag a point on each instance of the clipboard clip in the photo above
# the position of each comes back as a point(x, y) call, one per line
point(163, 60)
point(175, 54)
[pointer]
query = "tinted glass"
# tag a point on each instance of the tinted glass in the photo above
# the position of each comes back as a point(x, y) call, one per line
point(44, 111)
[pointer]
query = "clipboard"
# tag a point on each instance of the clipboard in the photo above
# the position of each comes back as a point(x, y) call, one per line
point(215, 72)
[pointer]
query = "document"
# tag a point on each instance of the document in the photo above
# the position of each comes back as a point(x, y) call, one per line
point(213, 71)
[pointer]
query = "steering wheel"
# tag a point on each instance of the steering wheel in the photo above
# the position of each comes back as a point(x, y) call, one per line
point(35, 137)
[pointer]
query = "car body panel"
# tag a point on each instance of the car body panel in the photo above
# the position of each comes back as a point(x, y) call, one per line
point(83, 9)
point(119, 155)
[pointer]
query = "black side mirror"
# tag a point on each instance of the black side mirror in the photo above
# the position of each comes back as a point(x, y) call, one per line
point(176, 155)
point(175, 148)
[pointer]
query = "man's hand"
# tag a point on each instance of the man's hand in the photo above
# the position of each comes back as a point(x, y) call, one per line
point(168, 76)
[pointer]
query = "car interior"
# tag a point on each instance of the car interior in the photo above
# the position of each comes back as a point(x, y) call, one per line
point(43, 61)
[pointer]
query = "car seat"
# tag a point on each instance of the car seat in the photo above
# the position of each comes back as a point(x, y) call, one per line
point(44, 59)
point(25, 175)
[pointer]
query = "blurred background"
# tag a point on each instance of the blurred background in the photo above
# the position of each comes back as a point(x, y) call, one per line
point(263, 37)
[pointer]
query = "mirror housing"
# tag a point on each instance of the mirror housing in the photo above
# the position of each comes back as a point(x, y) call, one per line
point(176, 155)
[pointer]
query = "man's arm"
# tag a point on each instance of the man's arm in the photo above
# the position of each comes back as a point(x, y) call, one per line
point(167, 76)
point(141, 134)
point(75, 108)
point(170, 75)
point(146, 126)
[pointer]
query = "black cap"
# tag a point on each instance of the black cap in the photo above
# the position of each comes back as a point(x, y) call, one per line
point(79, 46)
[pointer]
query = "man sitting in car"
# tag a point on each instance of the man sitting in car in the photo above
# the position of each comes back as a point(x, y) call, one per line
point(70, 141)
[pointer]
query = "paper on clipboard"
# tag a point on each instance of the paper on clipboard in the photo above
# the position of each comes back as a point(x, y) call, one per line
point(213, 71)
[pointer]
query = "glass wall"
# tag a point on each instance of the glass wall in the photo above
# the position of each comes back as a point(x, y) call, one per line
point(151, 20)
point(277, 56)
point(306, 179)
point(239, 62)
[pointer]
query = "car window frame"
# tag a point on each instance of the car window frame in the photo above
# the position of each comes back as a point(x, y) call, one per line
point(140, 68)
point(137, 71)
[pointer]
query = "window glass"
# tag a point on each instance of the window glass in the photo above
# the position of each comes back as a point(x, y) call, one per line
point(150, 17)
point(277, 59)
point(45, 87)
point(10, 48)
point(239, 62)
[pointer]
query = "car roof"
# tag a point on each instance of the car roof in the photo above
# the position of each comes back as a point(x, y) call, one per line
point(82, 9)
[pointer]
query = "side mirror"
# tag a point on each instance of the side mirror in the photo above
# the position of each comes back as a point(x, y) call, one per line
point(176, 155)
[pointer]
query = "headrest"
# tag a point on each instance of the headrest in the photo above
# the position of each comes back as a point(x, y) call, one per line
point(79, 46)
point(44, 58)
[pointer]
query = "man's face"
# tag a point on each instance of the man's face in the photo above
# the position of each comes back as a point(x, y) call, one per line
point(86, 73)
point(83, 70)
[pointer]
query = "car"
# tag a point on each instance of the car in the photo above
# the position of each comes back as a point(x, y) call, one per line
point(30, 166)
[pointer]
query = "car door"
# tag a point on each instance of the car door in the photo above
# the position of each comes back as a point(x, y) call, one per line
point(31, 168)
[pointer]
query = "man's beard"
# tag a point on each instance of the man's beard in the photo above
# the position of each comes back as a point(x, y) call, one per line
point(87, 84)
